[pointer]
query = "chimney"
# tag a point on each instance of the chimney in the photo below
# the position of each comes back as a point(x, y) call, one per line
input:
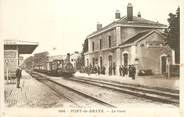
point(99, 26)
point(139, 14)
point(117, 15)
point(130, 12)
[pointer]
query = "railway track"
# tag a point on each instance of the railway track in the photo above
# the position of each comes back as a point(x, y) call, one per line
point(52, 84)
point(159, 95)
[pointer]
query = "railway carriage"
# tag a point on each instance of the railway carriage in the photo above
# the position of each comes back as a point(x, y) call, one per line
point(58, 68)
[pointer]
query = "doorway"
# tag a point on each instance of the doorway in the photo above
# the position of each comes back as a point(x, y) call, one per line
point(125, 56)
point(163, 64)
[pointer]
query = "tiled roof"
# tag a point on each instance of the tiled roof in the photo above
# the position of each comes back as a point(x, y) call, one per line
point(135, 38)
point(105, 27)
point(19, 42)
point(140, 35)
point(136, 22)
point(140, 21)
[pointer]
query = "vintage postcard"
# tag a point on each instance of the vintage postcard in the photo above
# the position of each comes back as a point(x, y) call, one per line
point(66, 58)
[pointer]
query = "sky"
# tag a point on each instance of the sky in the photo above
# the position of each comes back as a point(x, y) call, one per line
point(64, 24)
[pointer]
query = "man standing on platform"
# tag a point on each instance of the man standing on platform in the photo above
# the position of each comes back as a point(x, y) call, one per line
point(133, 72)
point(18, 76)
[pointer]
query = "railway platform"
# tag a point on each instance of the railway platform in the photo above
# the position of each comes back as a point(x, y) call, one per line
point(155, 81)
point(30, 94)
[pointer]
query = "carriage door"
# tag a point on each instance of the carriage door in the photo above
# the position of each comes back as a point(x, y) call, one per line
point(163, 64)
point(125, 56)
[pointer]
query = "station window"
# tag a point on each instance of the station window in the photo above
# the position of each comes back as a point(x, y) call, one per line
point(109, 39)
point(93, 46)
point(100, 44)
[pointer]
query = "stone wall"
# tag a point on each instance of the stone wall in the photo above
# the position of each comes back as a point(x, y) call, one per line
point(105, 43)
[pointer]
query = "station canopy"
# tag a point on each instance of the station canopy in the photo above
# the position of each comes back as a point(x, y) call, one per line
point(24, 47)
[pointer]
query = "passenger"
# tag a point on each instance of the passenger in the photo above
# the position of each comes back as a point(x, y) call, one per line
point(88, 70)
point(125, 70)
point(98, 70)
point(130, 71)
point(103, 70)
point(133, 72)
point(120, 70)
point(18, 76)
point(114, 69)
point(110, 70)
point(95, 69)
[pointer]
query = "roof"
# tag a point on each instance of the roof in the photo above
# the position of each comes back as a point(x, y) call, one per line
point(135, 38)
point(57, 57)
point(139, 36)
point(24, 47)
point(137, 21)
point(19, 42)
point(140, 21)
point(75, 55)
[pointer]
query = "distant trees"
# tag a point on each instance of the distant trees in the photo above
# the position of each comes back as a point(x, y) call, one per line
point(173, 38)
point(84, 50)
point(41, 58)
point(85, 46)
point(28, 62)
point(36, 60)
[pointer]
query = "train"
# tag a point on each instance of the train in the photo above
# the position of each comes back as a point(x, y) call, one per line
point(57, 67)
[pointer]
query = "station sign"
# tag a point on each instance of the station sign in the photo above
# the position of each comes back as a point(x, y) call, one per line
point(10, 53)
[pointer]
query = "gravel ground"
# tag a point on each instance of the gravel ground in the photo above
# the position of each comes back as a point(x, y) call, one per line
point(113, 97)
point(33, 94)
point(150, 81)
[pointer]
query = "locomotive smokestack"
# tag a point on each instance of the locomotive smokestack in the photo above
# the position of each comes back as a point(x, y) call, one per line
point(139, 14)
point(68, 57)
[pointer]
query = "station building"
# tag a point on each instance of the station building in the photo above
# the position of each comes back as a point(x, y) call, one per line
point(130, 40)
point(12, 51)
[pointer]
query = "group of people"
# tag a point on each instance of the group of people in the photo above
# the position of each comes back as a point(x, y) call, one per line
point(127, 70)
point(124, 70)
point(112, 69)
point(95, 69)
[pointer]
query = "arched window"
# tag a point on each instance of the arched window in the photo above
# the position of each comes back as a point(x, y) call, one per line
point(163, 64)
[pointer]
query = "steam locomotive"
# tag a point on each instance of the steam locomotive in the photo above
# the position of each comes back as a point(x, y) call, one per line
point(57, 67)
